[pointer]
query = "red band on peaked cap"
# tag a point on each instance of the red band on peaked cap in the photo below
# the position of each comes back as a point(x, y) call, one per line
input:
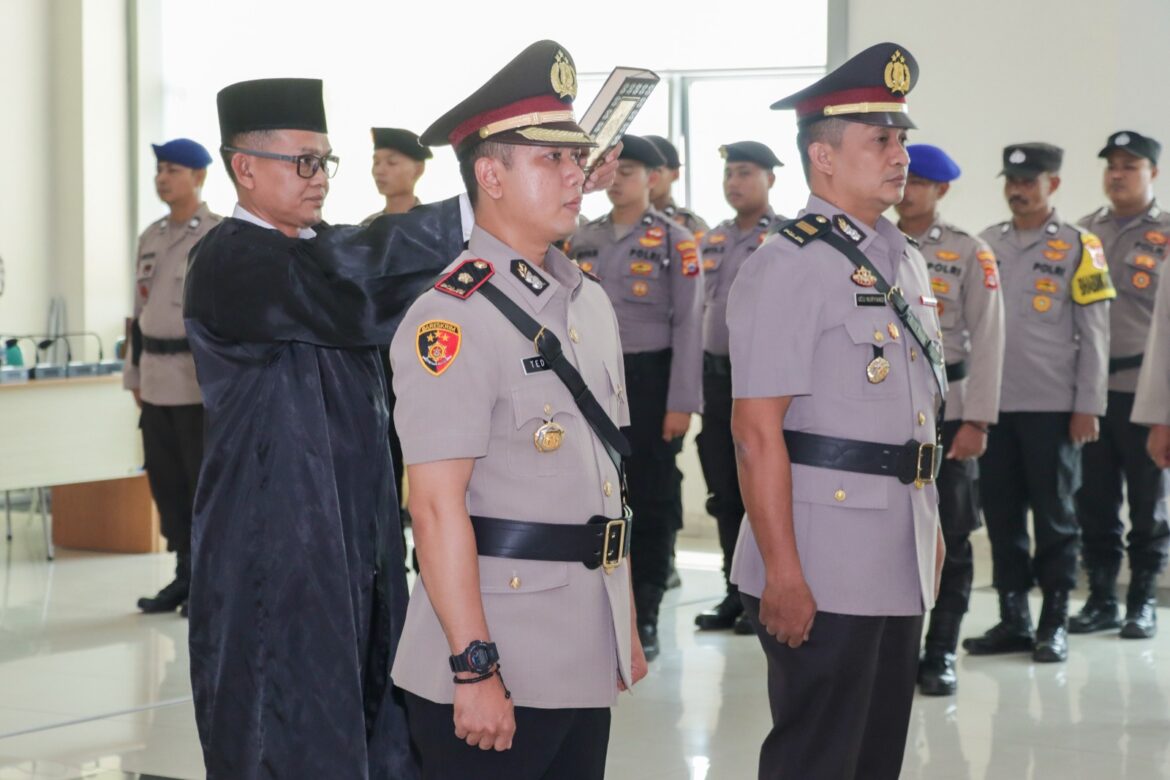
point(525, 106)
point(817, 104)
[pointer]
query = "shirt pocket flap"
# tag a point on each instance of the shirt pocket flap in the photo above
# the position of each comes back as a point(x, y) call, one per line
point(537, 399)
point(867, 328)
point(844, 489)
point(515, 576)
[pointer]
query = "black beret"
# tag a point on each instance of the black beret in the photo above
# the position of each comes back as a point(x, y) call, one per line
point(271, 104)
point(666, 149)
point(870, 88)
point(529, 101)
point(635, 147)
point(1031, 159)
point(400, 141)
point(750, 151)
point(1133, 142)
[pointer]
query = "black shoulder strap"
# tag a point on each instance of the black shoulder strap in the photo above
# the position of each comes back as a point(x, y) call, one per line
point(931, 348)
point(549, 347)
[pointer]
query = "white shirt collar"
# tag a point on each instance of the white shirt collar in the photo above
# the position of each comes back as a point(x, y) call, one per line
point(466, 215)
point(242, 213)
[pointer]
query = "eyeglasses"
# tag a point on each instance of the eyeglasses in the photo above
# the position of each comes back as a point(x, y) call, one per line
point(307, 164)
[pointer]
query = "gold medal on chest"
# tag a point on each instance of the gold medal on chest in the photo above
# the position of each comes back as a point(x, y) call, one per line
point(863, 277)
point(548, 437)
point(877, 370)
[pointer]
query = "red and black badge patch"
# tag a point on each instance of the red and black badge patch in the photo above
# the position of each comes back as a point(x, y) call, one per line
point(438, 345)
point(466, 279)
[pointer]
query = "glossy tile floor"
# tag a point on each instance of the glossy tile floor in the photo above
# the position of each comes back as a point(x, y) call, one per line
point(89, 688)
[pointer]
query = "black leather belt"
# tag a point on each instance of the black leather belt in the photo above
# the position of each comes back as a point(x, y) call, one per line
point(601, 542)
point(956, 371)
point(716, 365)
point(912, 462)
point(1123, 363)
point(165, 346)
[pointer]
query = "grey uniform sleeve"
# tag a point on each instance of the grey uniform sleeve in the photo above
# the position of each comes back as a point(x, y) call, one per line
point(686, 324)
point(1152, 404)
point(983, 313)
point(1091, 323)
point(131, 378)
point(445, 415)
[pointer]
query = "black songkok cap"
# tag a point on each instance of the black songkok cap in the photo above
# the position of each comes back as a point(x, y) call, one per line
point(271, 104)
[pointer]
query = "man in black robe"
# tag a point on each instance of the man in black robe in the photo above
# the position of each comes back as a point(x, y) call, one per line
point(298, 585)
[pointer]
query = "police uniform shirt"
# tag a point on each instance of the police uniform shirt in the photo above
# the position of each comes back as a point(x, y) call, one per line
point(802, 327)
point(1151, 405)
point(1136, 250)
point(1056, 294)
point(160, 272)
point(965, 282)
point(687, 218)
point(468, 387)
point(725, 249)
point(653, 276)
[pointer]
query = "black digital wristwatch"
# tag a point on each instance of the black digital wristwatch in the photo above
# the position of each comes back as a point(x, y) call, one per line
point(479, 657)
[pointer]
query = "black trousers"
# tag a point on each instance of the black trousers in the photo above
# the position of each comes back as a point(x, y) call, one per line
point(172, 441)
point(1118, 457)
point(655, 481)
point(568, 744)
point(841, 701)
point(1031, 463)
point(958, 508)
point(717, 458)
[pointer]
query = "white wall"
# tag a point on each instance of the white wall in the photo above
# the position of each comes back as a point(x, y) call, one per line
point(25, 213)
point(1069, 72)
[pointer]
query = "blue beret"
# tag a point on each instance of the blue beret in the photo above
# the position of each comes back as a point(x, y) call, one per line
point(182, 151)
point(932, 163)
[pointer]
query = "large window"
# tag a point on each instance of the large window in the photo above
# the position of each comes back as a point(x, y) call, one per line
point(404, 64)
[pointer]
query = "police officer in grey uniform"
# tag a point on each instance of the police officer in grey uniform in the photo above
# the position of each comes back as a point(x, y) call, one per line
point(161, 371)
point(660, 197)
point(1056, 292)
point(837, 378)
point(1151, 404)
point(965, 283)
point(747, 180)
point(652, 271)
point(516, 489)
point(399, 162)
point(1135, 232)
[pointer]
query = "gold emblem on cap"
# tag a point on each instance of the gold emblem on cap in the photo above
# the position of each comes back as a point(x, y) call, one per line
point(564, 76)
point(877, 370)
point(898, 74)
point(548, 437)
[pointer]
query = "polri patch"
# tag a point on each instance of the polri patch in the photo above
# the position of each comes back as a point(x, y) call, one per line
point(438, 344)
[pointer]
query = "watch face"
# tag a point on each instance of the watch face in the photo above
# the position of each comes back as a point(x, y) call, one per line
point(478, 658)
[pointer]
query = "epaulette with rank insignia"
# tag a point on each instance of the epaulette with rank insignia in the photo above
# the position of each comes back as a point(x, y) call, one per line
point(804, 229)
point(466, 279)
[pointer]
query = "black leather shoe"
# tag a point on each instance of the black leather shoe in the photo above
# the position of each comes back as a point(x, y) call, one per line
point(936, 674)
point(1052, 631)
point(1141, 615)
point(648, 633)
point(744, 627)
point(1100, 610)
point(1013, 632)
point(722, 616)
point(166, 600)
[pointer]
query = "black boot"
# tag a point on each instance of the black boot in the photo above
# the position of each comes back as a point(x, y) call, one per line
point(936, 669)
point(1013, 632)
point(723, 615)
point(174, 595)
point(1141, 614)
point(646, 601)
point(1052, 631)
point(1100, 610)
point(743, 626)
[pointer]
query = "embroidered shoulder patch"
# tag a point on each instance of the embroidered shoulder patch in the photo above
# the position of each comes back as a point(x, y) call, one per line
point(1090, 282)
point(466, 279)
point(438, 345)
point(801, 231)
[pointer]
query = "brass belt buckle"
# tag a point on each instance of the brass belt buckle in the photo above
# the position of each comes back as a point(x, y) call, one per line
point(919, 479)
point(607, 563)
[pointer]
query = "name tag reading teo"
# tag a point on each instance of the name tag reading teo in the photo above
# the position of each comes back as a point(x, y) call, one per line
point(533, 365)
